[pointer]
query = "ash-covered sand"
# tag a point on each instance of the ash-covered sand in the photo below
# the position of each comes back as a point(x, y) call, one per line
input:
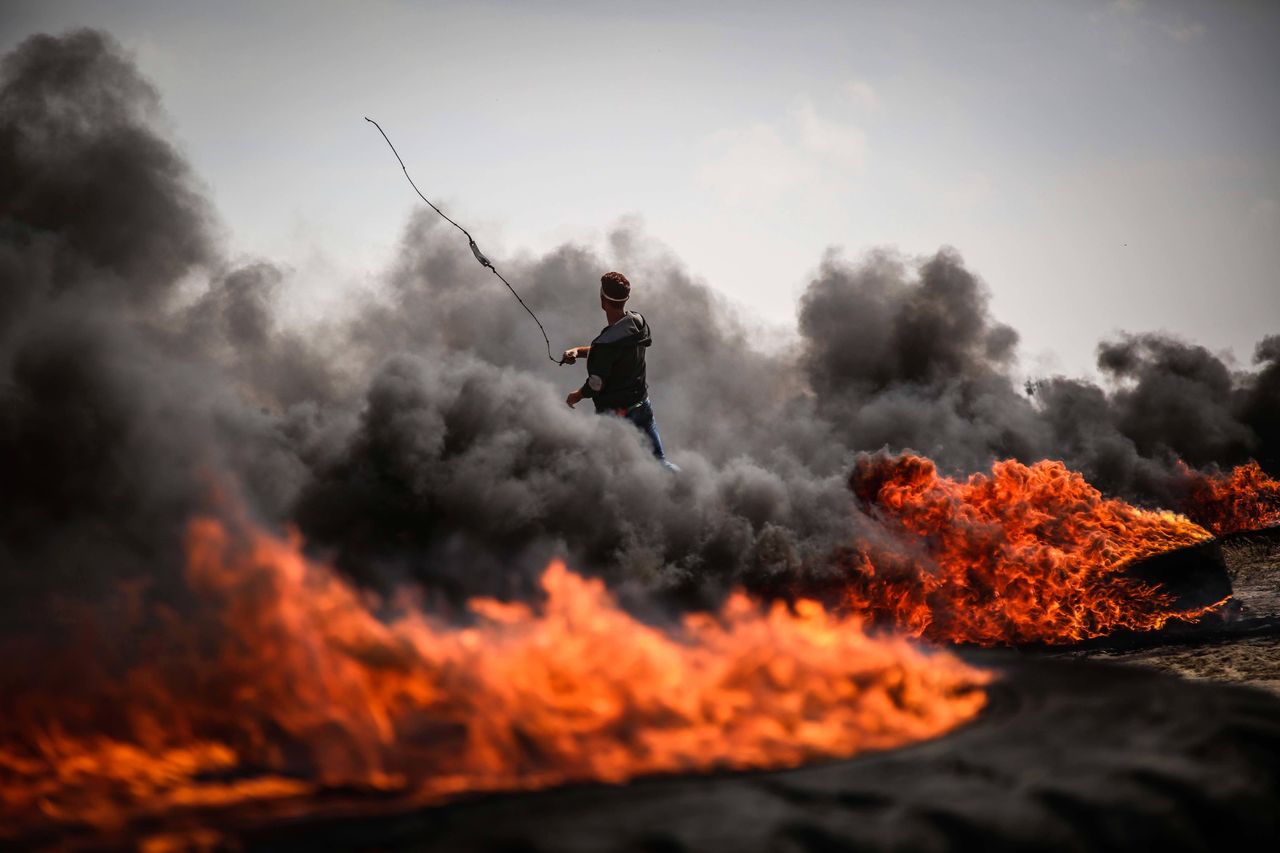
point(1246, 652)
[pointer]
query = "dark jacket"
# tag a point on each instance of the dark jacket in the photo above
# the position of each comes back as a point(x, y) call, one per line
point(615, 366)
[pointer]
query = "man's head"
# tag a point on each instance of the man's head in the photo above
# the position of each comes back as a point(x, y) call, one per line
point(614, 291)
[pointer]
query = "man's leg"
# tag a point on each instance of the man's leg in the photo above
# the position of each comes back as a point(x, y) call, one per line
point(643, 418)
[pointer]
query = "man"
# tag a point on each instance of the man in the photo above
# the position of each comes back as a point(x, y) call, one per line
point(615, 364)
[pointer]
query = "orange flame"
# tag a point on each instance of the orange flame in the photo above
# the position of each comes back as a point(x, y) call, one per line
point(1027, 554)
point(1244, 498)
point(306, 689)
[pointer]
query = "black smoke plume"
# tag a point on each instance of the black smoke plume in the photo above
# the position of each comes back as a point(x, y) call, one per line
point(143, 374)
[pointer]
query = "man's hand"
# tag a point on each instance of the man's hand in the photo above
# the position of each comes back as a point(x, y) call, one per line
point(574, 398)
point(572, 354)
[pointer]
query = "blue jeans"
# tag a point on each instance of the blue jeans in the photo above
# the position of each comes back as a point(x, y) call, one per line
point(642, 417)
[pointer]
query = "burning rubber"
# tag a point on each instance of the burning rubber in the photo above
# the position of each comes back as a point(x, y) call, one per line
point(300, 689)
point(320, 724)
point(1028, 554)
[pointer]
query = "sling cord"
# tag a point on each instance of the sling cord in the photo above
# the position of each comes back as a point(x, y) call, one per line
point(475, 250)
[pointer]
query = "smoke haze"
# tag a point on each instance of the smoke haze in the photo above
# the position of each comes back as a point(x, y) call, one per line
point(144, 376)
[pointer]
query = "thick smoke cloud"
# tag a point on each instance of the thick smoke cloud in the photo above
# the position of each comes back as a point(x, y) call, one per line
point(113, 419)
point(466, 462)
point(99, 220)
point(463, 470)
point(1170, 401)
point(424, 437)
point(901, 355)
point(422, 443)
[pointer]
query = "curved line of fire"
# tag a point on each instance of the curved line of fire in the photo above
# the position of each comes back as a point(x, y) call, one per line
point(294, 682)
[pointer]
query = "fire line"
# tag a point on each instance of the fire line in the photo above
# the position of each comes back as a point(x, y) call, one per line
point(296, 687)
point(1026, 554)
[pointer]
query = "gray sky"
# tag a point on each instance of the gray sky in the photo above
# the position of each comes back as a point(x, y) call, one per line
point(1103, 166)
